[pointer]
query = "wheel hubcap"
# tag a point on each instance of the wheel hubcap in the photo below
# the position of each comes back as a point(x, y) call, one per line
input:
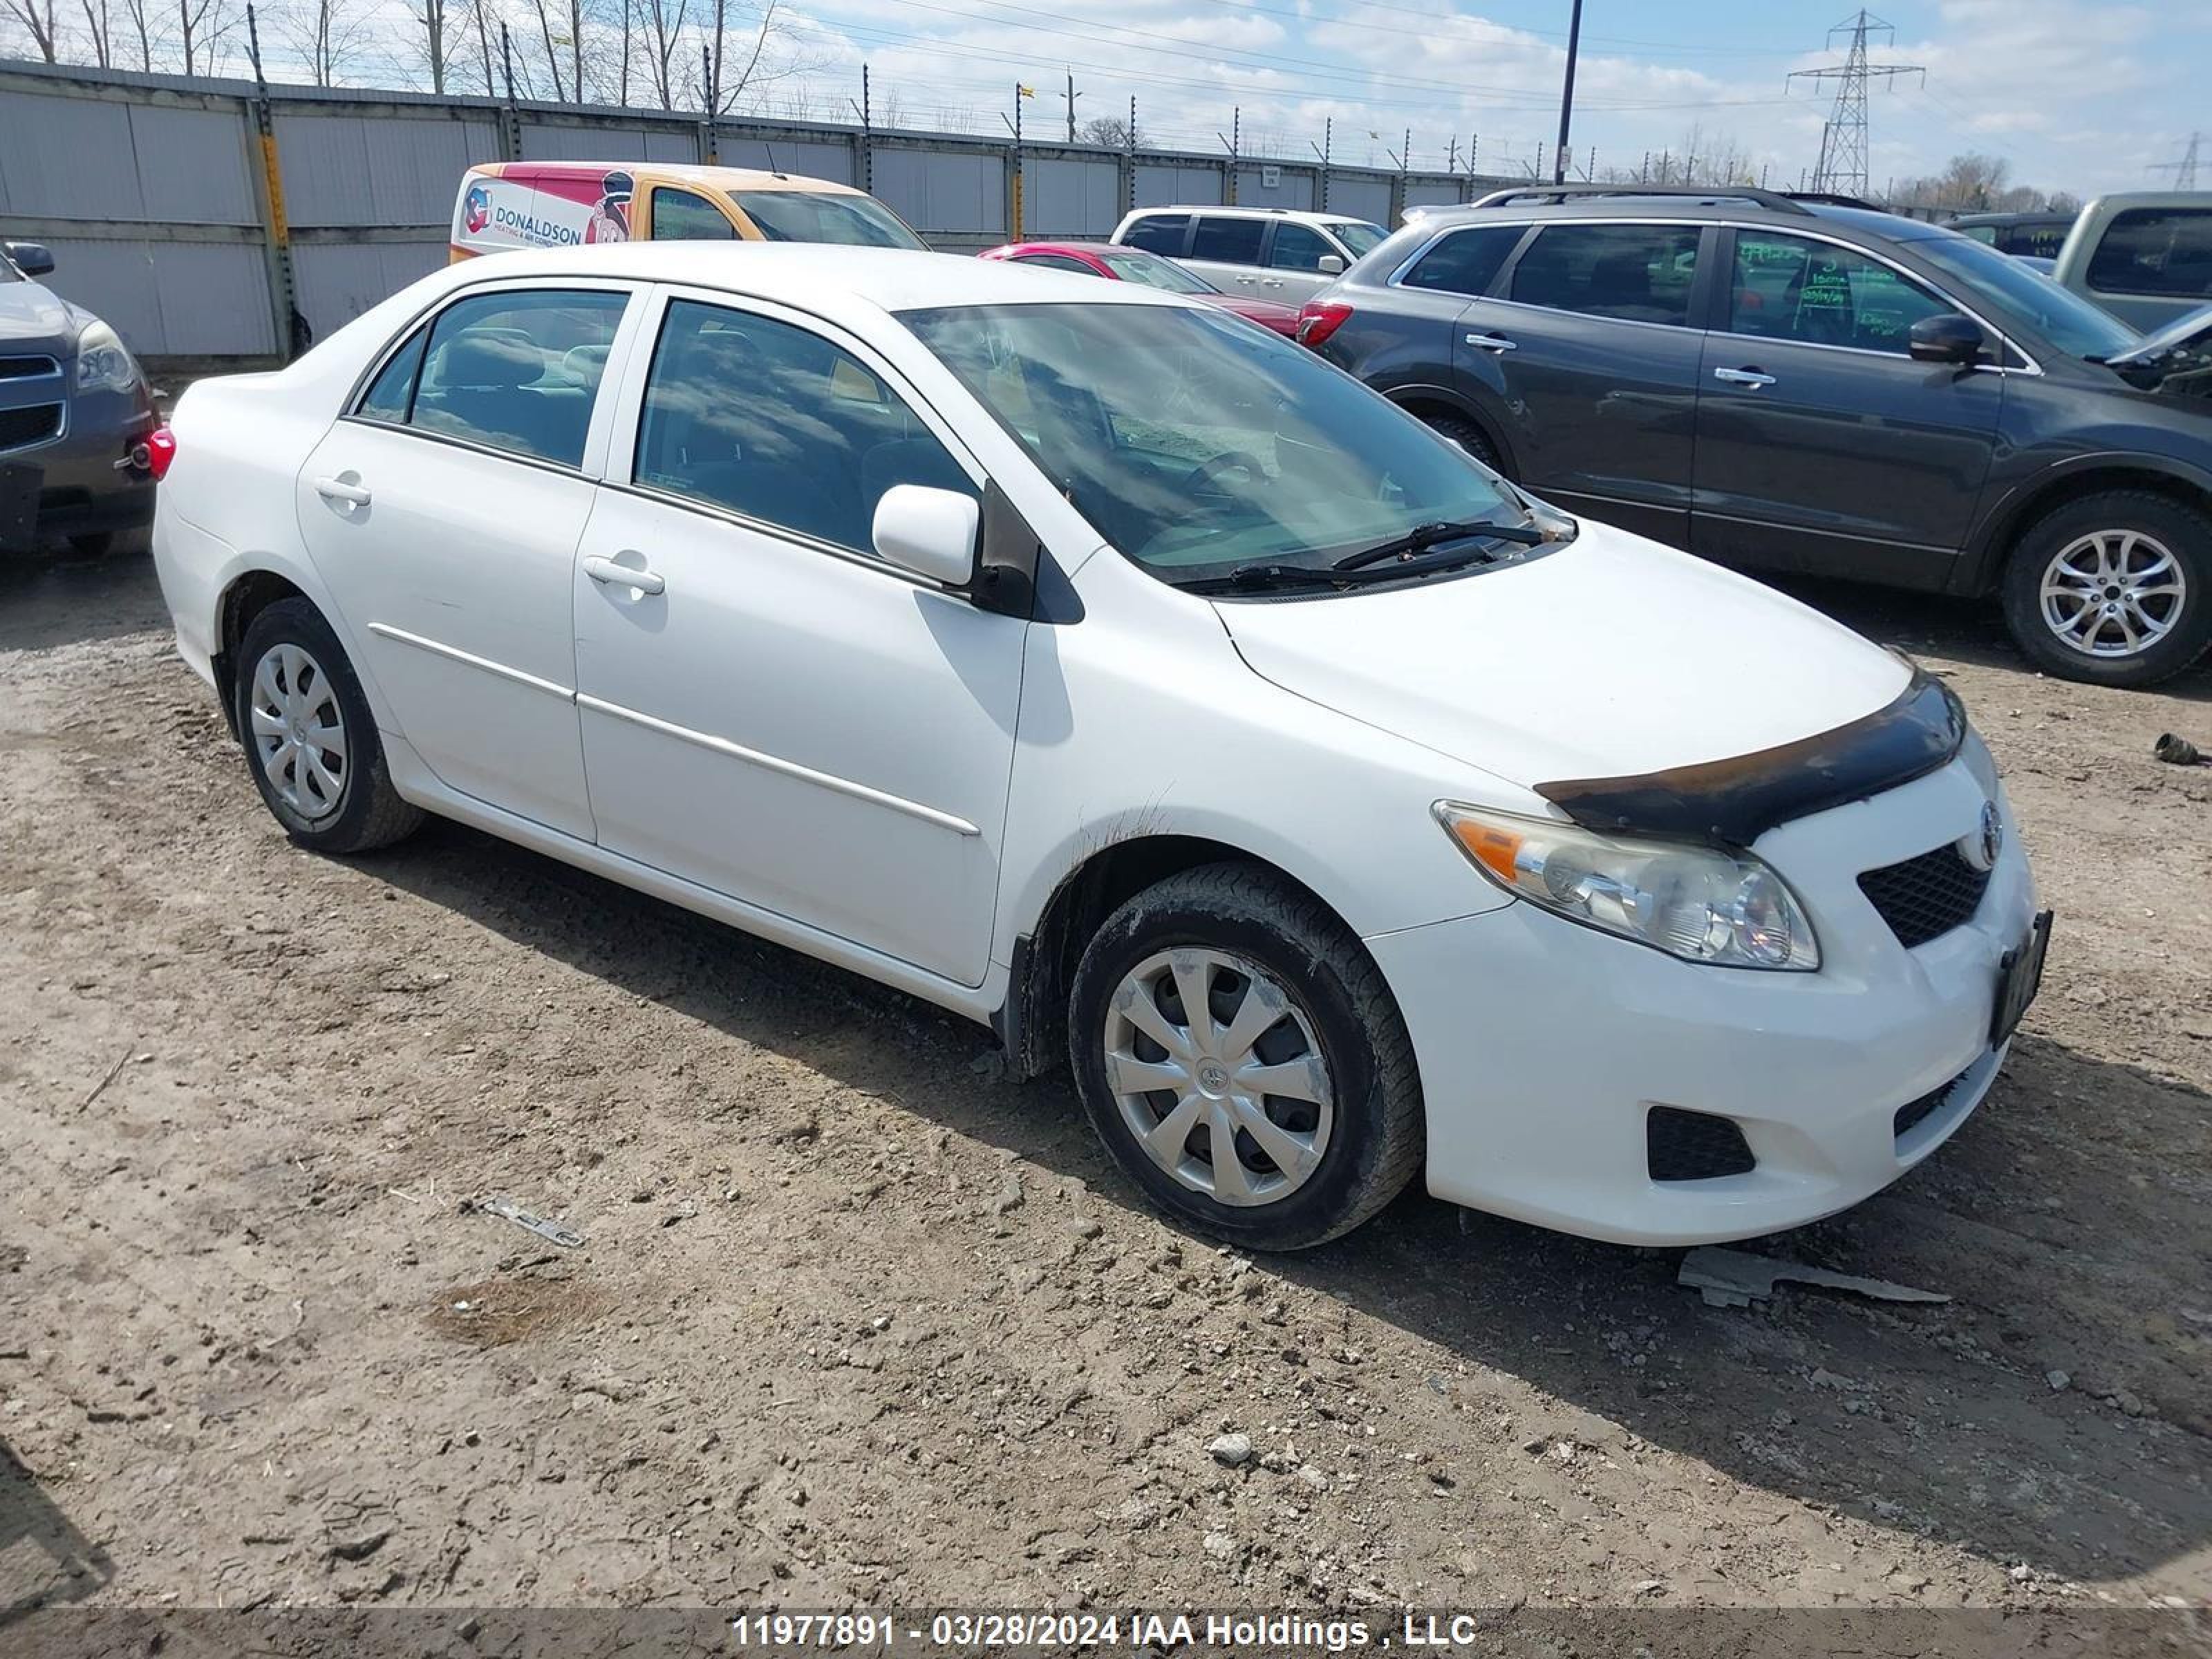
point(1218, 1075)
point(2113, 593)
point(298, 731)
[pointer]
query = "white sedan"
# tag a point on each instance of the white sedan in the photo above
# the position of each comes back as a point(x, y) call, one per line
point(1107, 671)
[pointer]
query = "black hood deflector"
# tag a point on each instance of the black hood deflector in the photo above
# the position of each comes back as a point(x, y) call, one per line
point(1734, 802)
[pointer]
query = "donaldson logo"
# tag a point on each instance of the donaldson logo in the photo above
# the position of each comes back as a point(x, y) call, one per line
point(476, 208)
point(546, 233)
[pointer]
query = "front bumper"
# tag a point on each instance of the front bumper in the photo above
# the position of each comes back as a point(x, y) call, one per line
point(1543, 1045)
point(70, 484)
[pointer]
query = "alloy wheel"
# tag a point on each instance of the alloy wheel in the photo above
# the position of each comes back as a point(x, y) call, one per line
point(1218, 1076)
point(2113, 593)
point(299, 732)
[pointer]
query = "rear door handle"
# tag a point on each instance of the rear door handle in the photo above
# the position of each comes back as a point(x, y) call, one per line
point(1492, 342)
point(1267, 281)
point(337, 490)
point(614, 575)
point(1750, 377)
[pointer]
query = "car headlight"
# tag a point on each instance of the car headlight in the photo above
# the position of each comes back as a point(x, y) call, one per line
point(102, 363)
point(1700, 903)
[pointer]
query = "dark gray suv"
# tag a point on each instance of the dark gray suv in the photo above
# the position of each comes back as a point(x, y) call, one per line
point(1803, 385)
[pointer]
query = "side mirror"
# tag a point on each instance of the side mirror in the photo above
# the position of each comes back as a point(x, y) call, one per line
point(1331, 265)
point(1946, 338)
point(32, 258)
point(929, 532)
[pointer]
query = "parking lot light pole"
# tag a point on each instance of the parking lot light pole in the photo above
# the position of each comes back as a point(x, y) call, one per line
point(1567, 96)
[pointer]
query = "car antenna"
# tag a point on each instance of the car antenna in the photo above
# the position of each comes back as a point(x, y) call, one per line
point(774, 171)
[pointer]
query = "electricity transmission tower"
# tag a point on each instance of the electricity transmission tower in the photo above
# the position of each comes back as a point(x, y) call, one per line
point(2184, 170)
point(1843, 167)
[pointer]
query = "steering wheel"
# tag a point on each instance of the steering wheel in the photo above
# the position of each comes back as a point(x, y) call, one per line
point(1229, 460)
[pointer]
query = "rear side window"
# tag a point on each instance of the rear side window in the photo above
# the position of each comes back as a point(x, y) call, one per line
point(518, 370)
point(393, 391)
point(1792, 287)
point(1466, 261)
point(776, 423)
point(1159, 233)
point(2158, 251)
point(1055, 262)
point(683, 215)
point(1639, 273)
point(1231, 241)
point(1297, 248)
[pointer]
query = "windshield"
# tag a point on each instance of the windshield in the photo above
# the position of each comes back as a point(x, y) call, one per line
point(1358, 235)
point(1133, 265)
point(1195, 443)
point(2016, 294)
point(795, 215)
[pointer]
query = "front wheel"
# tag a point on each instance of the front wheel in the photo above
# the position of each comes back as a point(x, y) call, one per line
point(1469, 436)
point(1244, 1062)
point(2115, 588)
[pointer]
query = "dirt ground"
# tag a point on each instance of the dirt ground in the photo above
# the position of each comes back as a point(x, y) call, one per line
point(860, 1323)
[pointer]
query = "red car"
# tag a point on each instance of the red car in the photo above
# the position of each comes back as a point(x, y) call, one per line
point(1131, 265)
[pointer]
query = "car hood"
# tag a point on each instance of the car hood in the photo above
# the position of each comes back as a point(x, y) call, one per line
point(1606, 657)
point(34, 315)
point(2176, 359)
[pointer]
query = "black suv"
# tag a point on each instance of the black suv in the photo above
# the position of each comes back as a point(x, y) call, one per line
point(1810, 385)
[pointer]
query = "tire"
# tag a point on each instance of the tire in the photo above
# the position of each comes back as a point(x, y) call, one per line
point(1469, 436)
point(1246, 932)
point(2065, 546)
point(351, 807)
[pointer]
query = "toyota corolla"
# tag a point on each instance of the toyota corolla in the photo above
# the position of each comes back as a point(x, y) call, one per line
point(1109, 671)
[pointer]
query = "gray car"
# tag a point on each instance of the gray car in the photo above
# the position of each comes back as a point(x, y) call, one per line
point(1812, 385)
point(76, 417)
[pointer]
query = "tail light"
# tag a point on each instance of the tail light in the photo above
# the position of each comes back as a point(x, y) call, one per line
point(1319, 319)
point(159, 447)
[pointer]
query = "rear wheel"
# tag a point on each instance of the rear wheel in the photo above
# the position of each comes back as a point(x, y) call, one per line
point(1243, 1060)
point(2115, 588)
point(1469, 436)
point(310, 740)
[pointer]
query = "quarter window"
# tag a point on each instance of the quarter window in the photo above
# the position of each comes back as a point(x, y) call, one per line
point(1297, 248)
point(2158, 251)
point(1159, 233)
point(1791, 287)
point(394, 388)
point(518, 370)
point(773, 422)
point(1228, 241)
point(681, 215)
point(1466, 261)
point(1641, 273)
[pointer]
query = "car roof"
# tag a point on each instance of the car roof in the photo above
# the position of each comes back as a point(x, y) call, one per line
point(831, 280)
point(2026, 215)
point(686, 172)
point(1719, 206)
point(1224, 209)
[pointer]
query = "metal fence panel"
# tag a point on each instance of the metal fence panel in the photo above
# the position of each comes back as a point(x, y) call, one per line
point(1360, 198)
point(173, 298)
point(1433, 193)
point(65, 157)
point(373, 169)
point(1071, 196)
point(193, 165)
point(1293, 187)
point(942, 191)
point(811, 159)
point(338, 280)
point(1169, 184)
point(615, 141)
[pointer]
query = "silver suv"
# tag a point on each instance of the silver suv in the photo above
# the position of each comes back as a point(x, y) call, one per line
point(1269, 253)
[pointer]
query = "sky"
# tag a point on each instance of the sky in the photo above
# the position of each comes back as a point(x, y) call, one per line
point(2077, 94)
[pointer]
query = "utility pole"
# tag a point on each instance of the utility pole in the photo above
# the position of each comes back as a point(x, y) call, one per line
point(2184, 170)
point(1843, 166)
point(1567, 96)
point(1071, 95)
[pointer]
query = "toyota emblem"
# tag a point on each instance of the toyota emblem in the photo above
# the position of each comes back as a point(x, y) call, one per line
point(1981, 848)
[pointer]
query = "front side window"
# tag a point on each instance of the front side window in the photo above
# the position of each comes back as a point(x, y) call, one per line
point(2166, 252)
point(1159, 233)
point(1297, 248)
point(766, 420)
point(1466, 261)
point(1226, 240)
point(1194, 442)
point(683, 215)
point(518, 370)
point(1792, 287)
point(1639, 273)
point(806, 216)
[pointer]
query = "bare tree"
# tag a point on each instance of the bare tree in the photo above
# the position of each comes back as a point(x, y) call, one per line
point(37, 17)
point(483, 43)
point(201, 27)
point(552, 58)
point(664, 33)
point(1112, 131)
point(327, 35)
point(432, 17)
point(99, 31)
point(145, 23)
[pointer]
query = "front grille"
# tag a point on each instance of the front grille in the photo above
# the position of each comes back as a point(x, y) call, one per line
point(1926, 897)
point(34, 425)
point(23, 368)
point(1914, 1113)
point(1679, 1145)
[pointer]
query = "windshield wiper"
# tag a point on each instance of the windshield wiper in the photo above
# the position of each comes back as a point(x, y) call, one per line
point(1252, 576)
point(1423, 537)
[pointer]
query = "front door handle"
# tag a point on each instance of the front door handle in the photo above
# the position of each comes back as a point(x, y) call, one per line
point(1265, 282)
point(1492, 342)
point(1750, 377)
point(338, 489)
point(615, 574)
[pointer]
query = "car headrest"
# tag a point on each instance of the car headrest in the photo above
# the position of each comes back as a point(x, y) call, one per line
point(490, 361)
